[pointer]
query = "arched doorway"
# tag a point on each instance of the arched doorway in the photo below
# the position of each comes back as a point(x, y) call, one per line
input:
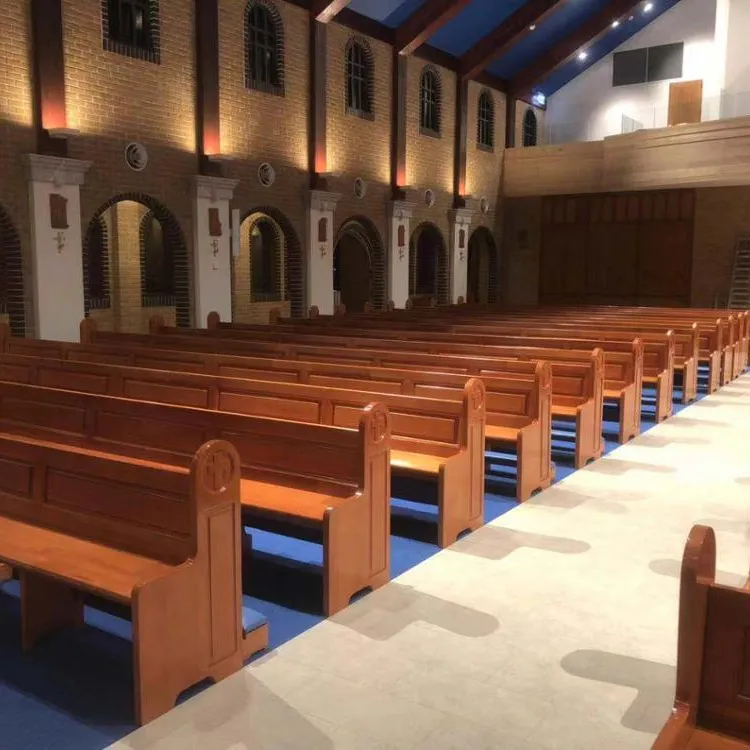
point(359, 266)
point(268, 272)
point(482, 281)
point(428, 266)
point(12, 296)
point(135, 264)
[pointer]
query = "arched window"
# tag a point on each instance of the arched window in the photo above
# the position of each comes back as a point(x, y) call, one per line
point(426, 271)
point(264, 47)
point(429, 97)
point(359, 75)
point(131, 28)
point(530, 128)
point(157, 265)
point(264, 263)
point(486, 121)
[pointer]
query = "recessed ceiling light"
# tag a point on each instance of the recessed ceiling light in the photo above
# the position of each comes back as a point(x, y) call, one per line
point(532, 27)
point(615, 24)
point(583, 55)
point(648, 7)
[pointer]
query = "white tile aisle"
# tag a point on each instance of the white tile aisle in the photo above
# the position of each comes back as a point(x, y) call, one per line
point(553, 627)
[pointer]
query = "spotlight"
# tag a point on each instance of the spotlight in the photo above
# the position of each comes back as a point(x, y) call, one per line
point(583, 55)
point(648, 7)
point(615, 24)
point(532, 27)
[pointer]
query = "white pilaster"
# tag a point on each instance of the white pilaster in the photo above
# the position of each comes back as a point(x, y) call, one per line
point(320, 247)
point(56, 254)
point(212, 265)
point(399, 232)
point(460, 221)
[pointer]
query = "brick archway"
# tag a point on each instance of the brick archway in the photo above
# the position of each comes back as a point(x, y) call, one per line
point(173, 235)
point(482, 240)
point(12, 294)
point(434, 242)
point(294, 278)
point(364, 231)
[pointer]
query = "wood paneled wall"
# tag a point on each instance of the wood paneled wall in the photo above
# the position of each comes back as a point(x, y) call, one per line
point(626, 248)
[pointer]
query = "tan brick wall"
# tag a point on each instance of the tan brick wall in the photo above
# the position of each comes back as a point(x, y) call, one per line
point(257, 126)
point(359, 147)
point(430, 161)
point(113, 99)
point(17, 135)
point(721, 216)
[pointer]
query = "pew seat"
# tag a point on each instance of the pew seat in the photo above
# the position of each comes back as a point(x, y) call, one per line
point(419, 463)
point(292, 502)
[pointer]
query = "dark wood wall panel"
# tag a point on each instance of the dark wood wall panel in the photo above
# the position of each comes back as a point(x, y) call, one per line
point(628, 248)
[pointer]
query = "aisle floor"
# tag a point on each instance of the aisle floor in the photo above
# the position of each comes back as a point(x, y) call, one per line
point(555, 626)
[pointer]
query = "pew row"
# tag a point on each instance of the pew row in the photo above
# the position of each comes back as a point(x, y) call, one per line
point(328, 484)
point(162, 540)
point(712, 706)
point(518, 410)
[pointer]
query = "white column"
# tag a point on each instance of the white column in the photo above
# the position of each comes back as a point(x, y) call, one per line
point(212, 247)
point(399, 232)
point(320, 247)
point(460, 221)
point(56, 251)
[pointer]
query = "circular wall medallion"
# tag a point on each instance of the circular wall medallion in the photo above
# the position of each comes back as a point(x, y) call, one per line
point(136, 156)
point(429, 197)
point(266, 174)
point(360, 188)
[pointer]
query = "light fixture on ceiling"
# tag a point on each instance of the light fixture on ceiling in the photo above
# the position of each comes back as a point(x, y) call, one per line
point(615, 24)
point(648, 7)
point(582, 55)
point(539, 99)
point(532, 27)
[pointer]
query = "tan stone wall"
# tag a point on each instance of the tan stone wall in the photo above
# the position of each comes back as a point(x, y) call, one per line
point(722, 215)
point(113, 99)
point(256, 126)
point(359, 147)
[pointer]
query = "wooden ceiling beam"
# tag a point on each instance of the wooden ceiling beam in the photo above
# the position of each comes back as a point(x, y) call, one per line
point(505, 35)
point(424, 22)
point(326, 10)
point(587, 34)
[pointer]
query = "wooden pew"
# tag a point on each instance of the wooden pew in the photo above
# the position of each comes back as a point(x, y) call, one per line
point(320, 482)
point(164, 541)
point(712, 706)
point(577, 376)
point(518, 411)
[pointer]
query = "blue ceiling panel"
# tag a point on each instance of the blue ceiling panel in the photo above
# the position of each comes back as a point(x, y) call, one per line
point(571, 15)
point(390, 12)
point(472, 23)
point(608, 43)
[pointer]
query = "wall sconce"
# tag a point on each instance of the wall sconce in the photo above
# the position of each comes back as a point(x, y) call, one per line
point(323, 251)
point(401, 253)
point(462, 256)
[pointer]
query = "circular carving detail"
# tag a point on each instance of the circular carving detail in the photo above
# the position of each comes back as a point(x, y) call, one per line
point(484, 205)
point(218, 469)
point(379, 425)
point(266, 174)
point(360, 188)
point(136, 156)
point(429, 197)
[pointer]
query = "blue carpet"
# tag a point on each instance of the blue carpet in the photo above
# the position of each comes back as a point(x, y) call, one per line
point(74, 690)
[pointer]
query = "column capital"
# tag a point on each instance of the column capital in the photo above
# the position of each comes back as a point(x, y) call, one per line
point(400, 209)
point(461, 216)
point(321, 200)
point(214, 188)
point(56, 169)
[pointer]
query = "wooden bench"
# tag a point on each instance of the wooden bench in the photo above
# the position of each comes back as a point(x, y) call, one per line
point(518, 410)
point(317, 482)
point(161, 540)
point(712, 699)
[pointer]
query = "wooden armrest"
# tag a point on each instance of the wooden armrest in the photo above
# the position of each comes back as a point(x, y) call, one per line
point(84, 565)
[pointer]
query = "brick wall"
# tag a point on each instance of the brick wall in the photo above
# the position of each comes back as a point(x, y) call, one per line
point(259, 127)
point(17, 135)
point(721, 216)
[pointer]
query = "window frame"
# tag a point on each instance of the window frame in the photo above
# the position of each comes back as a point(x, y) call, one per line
point(149, 51)
point(430, 103)
point(486, 122)
point(273, 30)
point(525, 131)
point(363, 80)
